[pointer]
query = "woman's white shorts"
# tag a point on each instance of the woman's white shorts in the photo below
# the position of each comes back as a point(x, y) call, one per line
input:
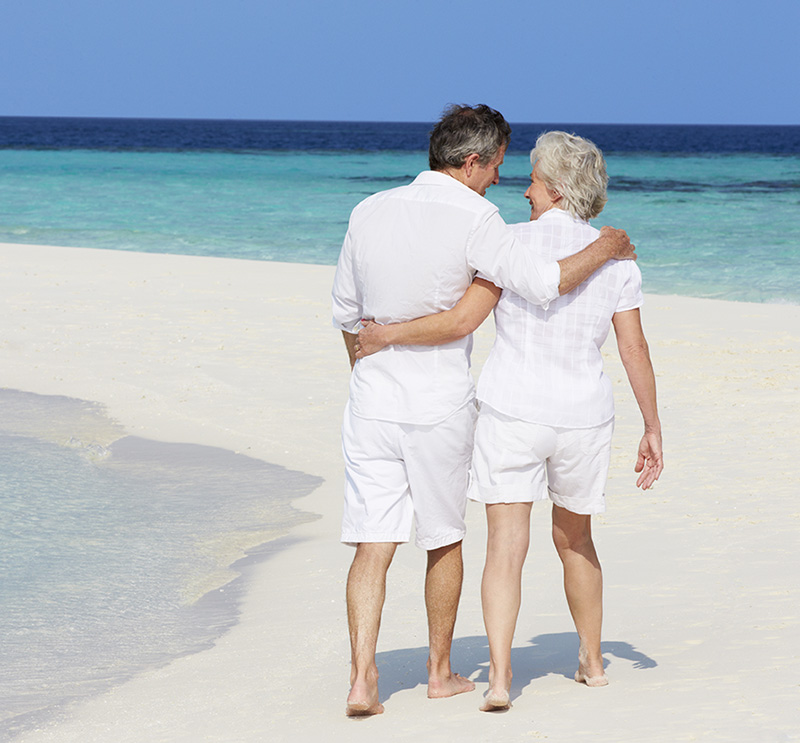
point(519, 462)
point(399, 474)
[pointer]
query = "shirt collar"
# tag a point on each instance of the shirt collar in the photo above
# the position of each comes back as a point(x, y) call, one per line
point(556, 213)
point(437, 178)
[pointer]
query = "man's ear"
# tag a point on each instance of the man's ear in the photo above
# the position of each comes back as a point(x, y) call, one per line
point(470, 162)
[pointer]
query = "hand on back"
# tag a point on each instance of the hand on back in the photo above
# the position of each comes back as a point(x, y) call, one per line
point(370, 339)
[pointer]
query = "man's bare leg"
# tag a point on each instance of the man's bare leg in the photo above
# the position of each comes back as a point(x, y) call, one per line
point(442, 593)
point(583, 584)
point(366, 591)
point(501, 592)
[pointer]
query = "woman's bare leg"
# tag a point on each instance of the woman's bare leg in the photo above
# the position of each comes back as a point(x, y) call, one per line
point(501, 591)
point(583, 585)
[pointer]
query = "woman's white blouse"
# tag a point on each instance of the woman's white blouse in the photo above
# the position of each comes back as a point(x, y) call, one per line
point(546, 366)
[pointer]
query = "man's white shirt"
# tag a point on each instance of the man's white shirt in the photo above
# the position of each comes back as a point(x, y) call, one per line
point(413, 251)
point(546, 366)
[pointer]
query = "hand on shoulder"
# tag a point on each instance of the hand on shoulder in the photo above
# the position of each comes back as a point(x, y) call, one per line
point(619, 244)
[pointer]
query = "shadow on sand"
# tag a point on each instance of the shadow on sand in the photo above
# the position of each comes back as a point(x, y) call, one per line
point(543, 655)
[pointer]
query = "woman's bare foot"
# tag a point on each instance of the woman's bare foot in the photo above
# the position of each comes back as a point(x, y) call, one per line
point(495, 700)
point(590, 668)
point(583, 678)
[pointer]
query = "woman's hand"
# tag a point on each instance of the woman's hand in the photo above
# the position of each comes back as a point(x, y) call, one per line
point(371, 339)
point(650, 460)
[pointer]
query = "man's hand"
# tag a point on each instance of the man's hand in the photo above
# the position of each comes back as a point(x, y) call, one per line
point(371, 339)
point(611, 245)
point(619, 244)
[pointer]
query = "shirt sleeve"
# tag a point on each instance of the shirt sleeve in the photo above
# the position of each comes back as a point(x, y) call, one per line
point(498, 256)
point(631, 296)
point(347, 303)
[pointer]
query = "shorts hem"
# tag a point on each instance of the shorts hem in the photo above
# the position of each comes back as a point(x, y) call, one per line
point(432, 544)
point(590, 508)
point(490, 496)
point(353, 538)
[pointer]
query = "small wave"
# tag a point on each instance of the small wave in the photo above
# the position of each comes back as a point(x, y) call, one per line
point(93, 452)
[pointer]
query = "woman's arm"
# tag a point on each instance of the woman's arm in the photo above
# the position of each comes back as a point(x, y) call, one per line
point(433, 330)
point(635, 355)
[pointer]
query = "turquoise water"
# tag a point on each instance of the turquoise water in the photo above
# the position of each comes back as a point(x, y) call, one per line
point(116, 558)
point(715, 225)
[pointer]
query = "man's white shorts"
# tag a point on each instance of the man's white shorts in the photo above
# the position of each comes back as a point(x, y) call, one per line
point(519, 462)
point(399, 474)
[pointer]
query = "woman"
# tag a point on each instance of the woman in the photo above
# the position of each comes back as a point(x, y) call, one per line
point(546, 408)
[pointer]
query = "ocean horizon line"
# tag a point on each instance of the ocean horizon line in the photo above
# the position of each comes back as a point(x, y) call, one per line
point(241, 135)
point(98, 117)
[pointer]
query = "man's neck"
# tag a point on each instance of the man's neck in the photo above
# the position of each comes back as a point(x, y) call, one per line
point(457, 173)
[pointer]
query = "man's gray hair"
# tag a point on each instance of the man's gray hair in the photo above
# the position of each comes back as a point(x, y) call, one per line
point(466, 130)
point(573, 167)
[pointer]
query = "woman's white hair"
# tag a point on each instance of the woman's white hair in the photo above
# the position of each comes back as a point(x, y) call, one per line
point(574, 168)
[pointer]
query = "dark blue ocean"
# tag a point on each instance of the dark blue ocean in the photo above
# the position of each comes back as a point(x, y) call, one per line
point(179, 135)
point(710, 208)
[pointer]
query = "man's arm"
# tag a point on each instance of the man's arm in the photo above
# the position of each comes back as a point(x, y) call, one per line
point(612, 244)
point(346, 299)
point(635, 355)
point(433, 330)
point(498, 256)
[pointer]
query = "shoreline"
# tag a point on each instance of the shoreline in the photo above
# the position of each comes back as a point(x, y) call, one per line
point(241, 355)
point(203, 518)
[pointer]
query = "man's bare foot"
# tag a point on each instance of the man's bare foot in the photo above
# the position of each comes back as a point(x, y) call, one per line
point(362, 701)
point(448, 687)
point(495, 700)
point(363, 709)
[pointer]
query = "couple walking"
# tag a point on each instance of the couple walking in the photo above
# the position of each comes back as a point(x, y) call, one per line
point(420, 268)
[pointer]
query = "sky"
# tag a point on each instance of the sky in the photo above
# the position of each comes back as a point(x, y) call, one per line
point(579, 61)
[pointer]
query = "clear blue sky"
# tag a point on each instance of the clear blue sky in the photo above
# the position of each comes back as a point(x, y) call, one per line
point(584, 61)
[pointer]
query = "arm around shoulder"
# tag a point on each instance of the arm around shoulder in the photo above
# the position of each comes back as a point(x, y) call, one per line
point(612, 244)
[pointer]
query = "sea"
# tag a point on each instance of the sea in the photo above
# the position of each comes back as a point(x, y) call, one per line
point(712, 209)
point(118, 557)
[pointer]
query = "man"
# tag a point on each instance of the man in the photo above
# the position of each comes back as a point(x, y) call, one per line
point(407, 433)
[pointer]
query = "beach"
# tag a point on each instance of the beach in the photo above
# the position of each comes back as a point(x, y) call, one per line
point(702, 588)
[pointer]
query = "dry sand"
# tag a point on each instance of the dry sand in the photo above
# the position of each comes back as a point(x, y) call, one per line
point(702, 628)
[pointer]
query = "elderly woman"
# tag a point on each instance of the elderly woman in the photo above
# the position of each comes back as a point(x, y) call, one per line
point(546, 407)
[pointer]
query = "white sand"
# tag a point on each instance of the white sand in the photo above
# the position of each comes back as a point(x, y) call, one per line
point(702, 634)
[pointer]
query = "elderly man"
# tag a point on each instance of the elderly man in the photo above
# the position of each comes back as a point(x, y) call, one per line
point(408, 426)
